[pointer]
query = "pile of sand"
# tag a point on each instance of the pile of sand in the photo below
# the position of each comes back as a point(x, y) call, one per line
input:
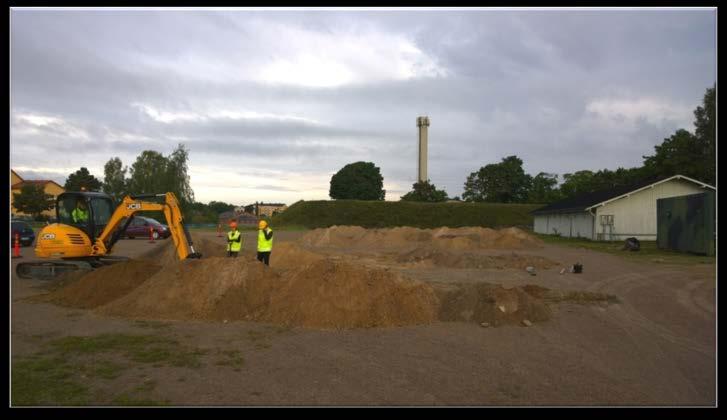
point(428, 257)
point(103, 285)
point(402, 237)
point(482, 302)
point(303, 287)
point(321, 294)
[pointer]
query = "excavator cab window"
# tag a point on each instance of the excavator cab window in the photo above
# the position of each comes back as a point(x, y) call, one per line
point(84, 211)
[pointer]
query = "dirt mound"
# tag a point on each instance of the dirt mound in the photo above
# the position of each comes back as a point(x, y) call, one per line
point(443, 238)
point(435, 257)
point(482, 302)
point(165, 253)
point(103, 285)
point(320, 293)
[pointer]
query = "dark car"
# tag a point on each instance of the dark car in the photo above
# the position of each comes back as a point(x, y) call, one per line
point(26, 235)
point(139, 227)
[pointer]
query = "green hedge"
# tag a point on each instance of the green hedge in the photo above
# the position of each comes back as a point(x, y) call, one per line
point(377, 214)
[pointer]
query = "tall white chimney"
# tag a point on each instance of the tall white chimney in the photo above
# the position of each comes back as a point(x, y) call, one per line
point(422, 123)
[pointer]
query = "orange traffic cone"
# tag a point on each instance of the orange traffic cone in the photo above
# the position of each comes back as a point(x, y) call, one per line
point(16, 247)
point(151, 235)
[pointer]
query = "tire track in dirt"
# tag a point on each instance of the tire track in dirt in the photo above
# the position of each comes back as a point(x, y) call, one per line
point(623, 285)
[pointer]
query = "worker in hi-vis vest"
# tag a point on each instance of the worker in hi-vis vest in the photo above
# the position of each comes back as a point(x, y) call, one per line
point(234, 240)
point(264, 242)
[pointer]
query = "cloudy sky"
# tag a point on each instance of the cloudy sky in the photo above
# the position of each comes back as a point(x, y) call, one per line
point(272, 103)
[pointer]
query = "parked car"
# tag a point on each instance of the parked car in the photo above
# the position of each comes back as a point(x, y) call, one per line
point(25, 232)
point(139, 227)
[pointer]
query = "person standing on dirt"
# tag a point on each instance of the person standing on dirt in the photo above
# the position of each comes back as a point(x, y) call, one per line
point(234, 241)
point(264, 242)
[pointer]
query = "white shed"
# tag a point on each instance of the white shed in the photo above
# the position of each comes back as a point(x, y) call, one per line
point(614, 214)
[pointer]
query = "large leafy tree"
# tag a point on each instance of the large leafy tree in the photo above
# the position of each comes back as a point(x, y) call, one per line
point(33, 200)
point(679, 154)
point(684, 153)
point(577, 183)
point(358, 181)
point(82, 180)
point(115, 182)
point(544, 188)
point(177, 175)
point(504, 182)
point(148, 174)
point(425, 191)
point(220, 207)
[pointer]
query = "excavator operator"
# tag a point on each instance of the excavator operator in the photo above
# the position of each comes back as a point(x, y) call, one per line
point(80, 213)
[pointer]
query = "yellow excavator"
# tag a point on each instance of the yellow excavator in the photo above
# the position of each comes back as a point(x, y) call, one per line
point(89, 224)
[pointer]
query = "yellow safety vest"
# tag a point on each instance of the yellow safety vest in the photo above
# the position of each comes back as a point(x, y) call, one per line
point(233, 236)
point(264, 245)
point(79, 215)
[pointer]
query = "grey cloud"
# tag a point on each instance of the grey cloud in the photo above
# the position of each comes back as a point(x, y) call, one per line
point(89, 67)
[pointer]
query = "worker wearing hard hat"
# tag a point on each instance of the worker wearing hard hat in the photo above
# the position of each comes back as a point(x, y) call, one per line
point(234, 240)
point(264, 242)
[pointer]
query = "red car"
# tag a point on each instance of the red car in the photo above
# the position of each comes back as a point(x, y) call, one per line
point(139, 227)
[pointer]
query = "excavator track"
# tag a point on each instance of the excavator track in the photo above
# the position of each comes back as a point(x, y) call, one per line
point(49, 270)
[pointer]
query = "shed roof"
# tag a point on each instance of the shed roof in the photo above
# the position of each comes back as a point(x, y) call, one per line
point(584, 202)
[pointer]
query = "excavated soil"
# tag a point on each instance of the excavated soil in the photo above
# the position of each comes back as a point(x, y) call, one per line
point(427, 257)
point(402, 237)
point(103, 285)
point(307, 288)
point(493, 304)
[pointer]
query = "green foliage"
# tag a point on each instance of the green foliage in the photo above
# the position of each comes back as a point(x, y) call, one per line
point(148, 174)
point(82, 179)
point(503, 182)
point(544, 189)
point(380, 214)
point(153, 173)
point(220, 207)
point(115, 183)
point(684, 153)
point(358, 181)
point(425, 191)
point(178, 177)
point(33, 200)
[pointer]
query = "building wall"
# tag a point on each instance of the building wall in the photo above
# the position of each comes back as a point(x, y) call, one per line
point(268, 210)
point(635, 215)
point(570, 225)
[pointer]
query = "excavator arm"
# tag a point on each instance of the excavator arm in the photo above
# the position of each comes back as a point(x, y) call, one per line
point(132, 204)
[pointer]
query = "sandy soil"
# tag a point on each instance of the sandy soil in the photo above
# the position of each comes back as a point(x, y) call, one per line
point(655, 347)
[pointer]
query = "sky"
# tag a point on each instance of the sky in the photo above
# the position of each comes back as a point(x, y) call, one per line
point(272, 103)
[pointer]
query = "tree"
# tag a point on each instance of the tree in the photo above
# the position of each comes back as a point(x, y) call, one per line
point(425, 191)
point(684, 153)
point(503, 182)
point(82, 179)
point(115, 182)
point(705, 128)
point(544, 189)
point(358, 181)
point(577, 183)
point(33, 200)
point(149, 174)
point(177, 176)
point(220, 207)
point(679, 154)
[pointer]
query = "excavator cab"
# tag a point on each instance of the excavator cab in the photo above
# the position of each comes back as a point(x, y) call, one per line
point(87, 211)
